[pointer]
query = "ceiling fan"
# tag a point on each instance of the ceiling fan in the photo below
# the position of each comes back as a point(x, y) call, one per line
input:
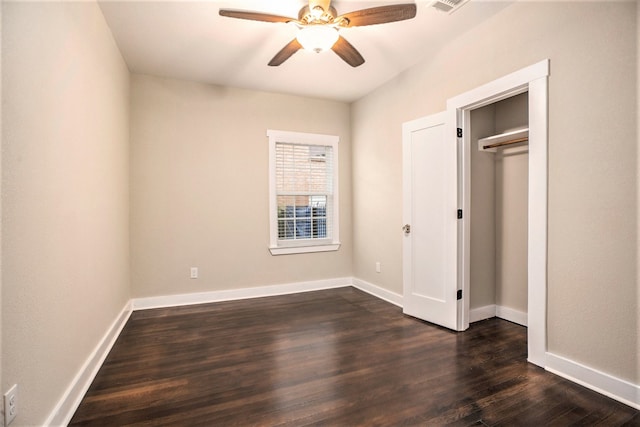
point(319, 25)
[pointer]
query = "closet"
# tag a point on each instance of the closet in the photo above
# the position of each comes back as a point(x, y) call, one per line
point(498, 204)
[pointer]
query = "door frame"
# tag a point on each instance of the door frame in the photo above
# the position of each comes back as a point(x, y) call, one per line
point(534, 80)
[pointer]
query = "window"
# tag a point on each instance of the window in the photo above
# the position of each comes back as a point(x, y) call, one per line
point(303, 192)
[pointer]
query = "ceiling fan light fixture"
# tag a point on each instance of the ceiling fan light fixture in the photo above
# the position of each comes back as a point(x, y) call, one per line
point(317, 38)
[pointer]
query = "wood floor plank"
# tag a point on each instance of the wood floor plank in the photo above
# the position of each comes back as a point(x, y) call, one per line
point(337, 357)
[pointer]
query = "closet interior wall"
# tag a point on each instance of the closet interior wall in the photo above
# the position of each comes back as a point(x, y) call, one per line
point(499, 192)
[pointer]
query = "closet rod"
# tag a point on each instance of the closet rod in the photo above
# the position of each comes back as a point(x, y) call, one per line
point(500, 144)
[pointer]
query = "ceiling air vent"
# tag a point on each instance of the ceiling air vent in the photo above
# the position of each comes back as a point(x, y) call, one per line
point(449, 6)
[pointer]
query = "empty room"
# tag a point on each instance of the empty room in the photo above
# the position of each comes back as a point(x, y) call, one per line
point(320, 212)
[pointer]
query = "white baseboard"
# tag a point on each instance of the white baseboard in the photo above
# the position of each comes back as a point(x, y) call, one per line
point(237, 294)
point(506, 313)
point(377, 291)
point(512, 315)
point(67, 405)
point(482, 313)
point(615, 388)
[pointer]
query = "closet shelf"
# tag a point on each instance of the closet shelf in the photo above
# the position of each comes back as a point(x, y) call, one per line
point(492, 143)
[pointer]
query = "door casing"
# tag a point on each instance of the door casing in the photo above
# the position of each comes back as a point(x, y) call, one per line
point(534, 80)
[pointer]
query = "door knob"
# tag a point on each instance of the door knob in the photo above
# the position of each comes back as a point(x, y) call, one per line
point(406, 229)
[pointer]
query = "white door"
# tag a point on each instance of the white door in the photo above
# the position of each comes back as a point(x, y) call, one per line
point(430, 216)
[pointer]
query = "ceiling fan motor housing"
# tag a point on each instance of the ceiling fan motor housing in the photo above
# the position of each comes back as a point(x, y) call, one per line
point(317, 15)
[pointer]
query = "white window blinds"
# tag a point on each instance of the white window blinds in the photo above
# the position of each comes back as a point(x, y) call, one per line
point(304, 191)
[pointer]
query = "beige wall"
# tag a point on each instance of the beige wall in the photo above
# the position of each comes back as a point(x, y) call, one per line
point(512, 190)
point(199, 186)
point(65, 274)
point(592, 303)
point(1, 132)
point(499, 190)
point(483, 261)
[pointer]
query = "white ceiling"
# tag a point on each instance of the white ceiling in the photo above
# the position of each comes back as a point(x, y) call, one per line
point(188, 40)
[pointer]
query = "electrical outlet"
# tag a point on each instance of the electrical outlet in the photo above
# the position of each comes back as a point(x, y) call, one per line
point(10, 404)
point(194, 272)
point(378, 267)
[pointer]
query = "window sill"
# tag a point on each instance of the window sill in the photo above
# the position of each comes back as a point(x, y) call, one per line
point(304, 249)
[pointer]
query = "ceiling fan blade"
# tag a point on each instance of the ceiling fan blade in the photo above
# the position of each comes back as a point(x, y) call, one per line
point(347, 52)
point(254, 16)
point(379, 15)
point(285, 53)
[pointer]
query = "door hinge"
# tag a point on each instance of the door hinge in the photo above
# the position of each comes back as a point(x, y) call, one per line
point(459, 295)
point(459, 213)
point(459, 132)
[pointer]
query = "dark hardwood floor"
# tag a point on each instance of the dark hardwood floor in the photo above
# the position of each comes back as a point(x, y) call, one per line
point(338, 357)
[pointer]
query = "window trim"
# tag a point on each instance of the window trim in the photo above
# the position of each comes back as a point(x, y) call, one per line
point(306, 245)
